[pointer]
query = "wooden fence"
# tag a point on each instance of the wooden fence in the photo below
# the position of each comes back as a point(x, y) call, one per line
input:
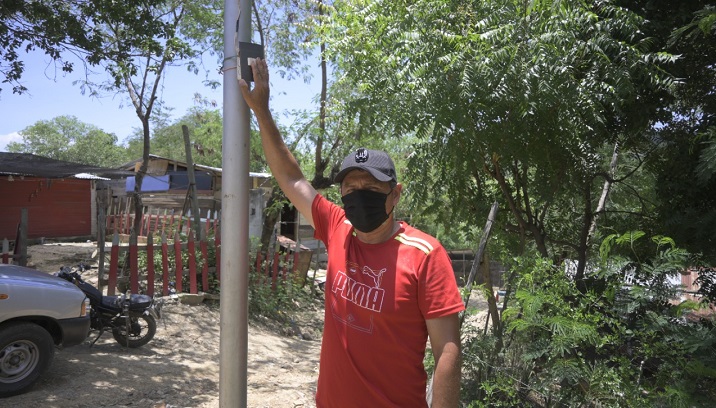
point(171, 260)
point(158, 221)
point(189, 267)
point(182, 258)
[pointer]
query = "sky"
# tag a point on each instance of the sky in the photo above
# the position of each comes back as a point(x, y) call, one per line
point(51, 94)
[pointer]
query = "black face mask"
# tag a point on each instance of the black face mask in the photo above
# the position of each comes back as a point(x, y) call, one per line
point(365, 209)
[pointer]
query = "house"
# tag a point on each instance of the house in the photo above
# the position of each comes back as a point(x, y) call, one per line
point(58, 196)
point(165, 187)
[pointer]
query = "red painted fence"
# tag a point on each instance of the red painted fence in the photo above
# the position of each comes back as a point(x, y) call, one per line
point(158, 222)
point(172, 268)
point(195, 272)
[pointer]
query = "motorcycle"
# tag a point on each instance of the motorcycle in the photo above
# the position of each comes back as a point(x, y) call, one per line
point(132, 318)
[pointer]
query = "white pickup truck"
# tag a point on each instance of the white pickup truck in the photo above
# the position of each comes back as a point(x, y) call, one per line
point(38, 312)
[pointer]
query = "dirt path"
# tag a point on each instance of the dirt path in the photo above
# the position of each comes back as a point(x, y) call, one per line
point(178, 368)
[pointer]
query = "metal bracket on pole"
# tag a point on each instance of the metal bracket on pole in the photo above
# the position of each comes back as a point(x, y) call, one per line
point(248, 52)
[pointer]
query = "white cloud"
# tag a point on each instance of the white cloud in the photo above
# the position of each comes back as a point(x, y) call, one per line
point(10, 137)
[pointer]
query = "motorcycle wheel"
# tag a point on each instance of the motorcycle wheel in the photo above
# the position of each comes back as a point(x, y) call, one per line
point(26, 351)
point(141, 331)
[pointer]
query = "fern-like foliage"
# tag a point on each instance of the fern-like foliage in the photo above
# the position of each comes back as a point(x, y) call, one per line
point(627, 344)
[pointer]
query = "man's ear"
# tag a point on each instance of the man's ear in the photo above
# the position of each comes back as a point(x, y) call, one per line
point(398, 191)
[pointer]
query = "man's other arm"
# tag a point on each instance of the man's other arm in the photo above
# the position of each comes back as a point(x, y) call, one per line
point(444, 335)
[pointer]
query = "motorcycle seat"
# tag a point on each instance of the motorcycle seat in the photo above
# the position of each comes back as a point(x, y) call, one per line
point(136, 302)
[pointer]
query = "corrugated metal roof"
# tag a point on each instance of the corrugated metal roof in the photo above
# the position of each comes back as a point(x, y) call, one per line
point(218, 170)
point(25, 164)
point(87, 176)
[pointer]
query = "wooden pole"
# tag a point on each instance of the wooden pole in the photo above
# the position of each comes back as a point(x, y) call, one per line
point(133, 264)
point(179, 266)
point(192, 182)
point(191, 248)
point(165, 266)
point(113, 263)
point(101, 237)
point(150, 264)
point(476, 263)
point(471, 278)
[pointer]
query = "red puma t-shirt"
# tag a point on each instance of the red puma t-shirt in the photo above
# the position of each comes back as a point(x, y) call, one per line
point(378, 297)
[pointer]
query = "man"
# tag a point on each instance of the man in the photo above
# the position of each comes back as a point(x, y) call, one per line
point(389, 286)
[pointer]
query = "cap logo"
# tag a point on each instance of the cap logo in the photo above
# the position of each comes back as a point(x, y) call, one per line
point(361, 155)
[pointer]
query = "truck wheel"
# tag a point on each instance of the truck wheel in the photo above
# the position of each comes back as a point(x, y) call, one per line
point(26, 351)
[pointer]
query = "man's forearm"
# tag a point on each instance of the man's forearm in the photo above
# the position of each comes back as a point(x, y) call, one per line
point(446, 379)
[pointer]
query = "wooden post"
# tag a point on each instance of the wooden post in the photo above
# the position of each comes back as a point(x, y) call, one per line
point(476, 263)
point(127, 223)
point(286, 267)
point(165, 266)
point(164, 220)
point(217, 251)
point(203, 244)
point(150, 264)
point(274, 277)
point(113, 262)
point(101, 236)
point(259, 272)
point(490, 300)
point(170, 230)
point(191, 248)
point(111, 224)
point(116, 214)
point(133, 265)
point(142, 219)
point(295, 260)
point(179, 267)
point(192, 181)
point(156, 222)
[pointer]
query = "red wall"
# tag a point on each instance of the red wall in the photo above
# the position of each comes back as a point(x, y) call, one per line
point(56, 207)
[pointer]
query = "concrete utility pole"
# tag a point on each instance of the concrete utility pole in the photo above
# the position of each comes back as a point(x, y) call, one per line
point(234, 215)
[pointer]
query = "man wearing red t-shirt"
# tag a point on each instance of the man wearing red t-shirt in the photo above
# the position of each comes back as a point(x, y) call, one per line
point(389, 287)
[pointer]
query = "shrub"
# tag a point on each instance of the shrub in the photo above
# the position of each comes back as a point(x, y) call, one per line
point(600, 343)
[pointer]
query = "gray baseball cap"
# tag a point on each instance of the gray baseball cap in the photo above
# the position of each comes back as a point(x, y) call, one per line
point(375, 162)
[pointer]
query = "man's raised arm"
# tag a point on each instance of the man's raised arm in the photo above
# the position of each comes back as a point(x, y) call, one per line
point(283, 164)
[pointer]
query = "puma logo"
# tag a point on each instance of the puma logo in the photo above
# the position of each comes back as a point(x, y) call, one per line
point(376, 275)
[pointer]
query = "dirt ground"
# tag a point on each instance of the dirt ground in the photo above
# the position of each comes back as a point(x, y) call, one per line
point(180, 366)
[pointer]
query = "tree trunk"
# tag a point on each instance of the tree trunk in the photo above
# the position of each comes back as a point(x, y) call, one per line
point(192, 183)
point(591, 223)
point(139, 177)
point(320, 162)
point(517, 210)
point(271, 217)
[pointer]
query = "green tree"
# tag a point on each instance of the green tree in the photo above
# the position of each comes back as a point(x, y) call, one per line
point(205, 124)
point(625, 346)
point(62, 27)
point(514, 100)
point(67, 138)
point(139, 74)
point(684, 143)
